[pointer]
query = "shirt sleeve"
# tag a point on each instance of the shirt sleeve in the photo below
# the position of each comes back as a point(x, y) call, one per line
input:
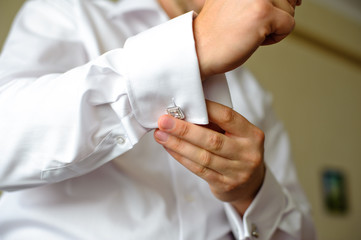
point(273, 214)
point(63, 116)
point(280, 210)
point(155, 55)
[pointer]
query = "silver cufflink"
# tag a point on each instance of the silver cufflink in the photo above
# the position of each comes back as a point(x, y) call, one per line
point(175, 111)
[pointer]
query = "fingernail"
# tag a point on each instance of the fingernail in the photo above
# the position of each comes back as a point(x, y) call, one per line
point(161, 136)
point(166, 123)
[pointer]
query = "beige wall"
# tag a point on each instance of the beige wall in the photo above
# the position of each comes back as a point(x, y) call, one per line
point(315, 78)
point(8, 9)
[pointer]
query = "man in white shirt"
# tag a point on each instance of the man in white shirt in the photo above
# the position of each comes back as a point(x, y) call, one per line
point(82, 84)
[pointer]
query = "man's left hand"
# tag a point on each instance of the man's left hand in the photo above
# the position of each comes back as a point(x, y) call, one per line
point(230, 159)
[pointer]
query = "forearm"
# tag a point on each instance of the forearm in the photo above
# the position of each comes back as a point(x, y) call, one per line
point(55, 123)
point(61, 125)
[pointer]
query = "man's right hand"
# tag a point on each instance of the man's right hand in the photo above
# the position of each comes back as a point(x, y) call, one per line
point(228, 32)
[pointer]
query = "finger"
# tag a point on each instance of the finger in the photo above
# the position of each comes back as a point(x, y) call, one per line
point(282, 25)
point(293, 3)
point(228, 119)
point(287, 6)
point(200, 136)
point(210, 176)
point(199, 155)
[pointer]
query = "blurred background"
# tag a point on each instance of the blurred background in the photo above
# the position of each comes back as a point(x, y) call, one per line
point(315, 79)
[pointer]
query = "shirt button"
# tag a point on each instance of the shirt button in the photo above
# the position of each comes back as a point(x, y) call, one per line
point(254, 231)
point(120, 140)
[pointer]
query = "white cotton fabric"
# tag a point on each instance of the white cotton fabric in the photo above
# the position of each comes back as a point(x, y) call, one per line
point(79, 97)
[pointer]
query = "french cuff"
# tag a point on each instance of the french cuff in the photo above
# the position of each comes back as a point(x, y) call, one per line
point(163, 71)
point(264, 214)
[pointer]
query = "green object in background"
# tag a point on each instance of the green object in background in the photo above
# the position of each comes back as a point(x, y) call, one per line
point(334, 191)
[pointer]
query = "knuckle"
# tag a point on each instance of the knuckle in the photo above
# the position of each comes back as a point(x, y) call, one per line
point(245, 178)
point(261, 9)
point(257, 159)
point(183, 130)
point(201, 170)
point(254, 161)
point(227, 115)
point(205, 159)
point(176, 145)
point(215, 142)
point(259, 135)
point(230, 184)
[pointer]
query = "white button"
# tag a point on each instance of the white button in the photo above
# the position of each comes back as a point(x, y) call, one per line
point(120, 139)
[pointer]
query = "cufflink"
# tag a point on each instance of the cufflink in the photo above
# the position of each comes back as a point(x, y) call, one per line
point(175, 111)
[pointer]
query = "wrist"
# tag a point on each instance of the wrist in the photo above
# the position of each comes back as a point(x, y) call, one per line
point(202, 49)
point(198, 47)
point(242, 204)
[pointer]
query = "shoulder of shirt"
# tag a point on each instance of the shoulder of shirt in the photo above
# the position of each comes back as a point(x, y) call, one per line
point(37, 15)
point(55, 3)
point(65, 6)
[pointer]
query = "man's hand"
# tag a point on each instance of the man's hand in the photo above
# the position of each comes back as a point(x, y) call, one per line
point(228, 32)
point(230, 159)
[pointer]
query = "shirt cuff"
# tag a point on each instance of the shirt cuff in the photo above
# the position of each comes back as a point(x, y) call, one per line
point(263, 215)
point(162, 67)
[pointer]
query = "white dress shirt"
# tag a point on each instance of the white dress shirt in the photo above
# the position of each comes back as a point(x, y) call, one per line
point(79, 97)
